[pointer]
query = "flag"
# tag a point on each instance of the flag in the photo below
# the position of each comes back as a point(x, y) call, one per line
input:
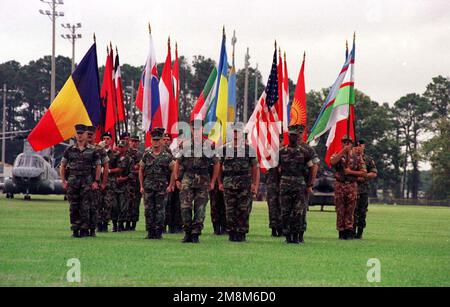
point(78, 102)
point(147, 99)
point(176, 89)
point(232, 96)
point(108, 94)
point(263, 126)
point(169, 110)
point(206, 97)
point(119, 89)
point(103, 101)
point(285, 102)
point(298, 108)
point(337, 113)
point(218, 110)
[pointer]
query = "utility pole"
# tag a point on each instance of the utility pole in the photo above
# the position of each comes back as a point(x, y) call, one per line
point(247, 64)
point(233, 43)
point(53, 14)
point(4, 127)
point(72, 37)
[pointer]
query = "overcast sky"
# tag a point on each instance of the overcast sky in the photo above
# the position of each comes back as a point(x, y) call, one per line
point(401, 44)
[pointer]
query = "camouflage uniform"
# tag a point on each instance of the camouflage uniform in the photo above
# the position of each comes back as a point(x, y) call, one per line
point(134, 193)
point(97, 201)
point(80, 179)
point(363, 196)
point(273, 200)
point(237, 182)
point(293, 165)
point(194, 188)
point(109, 196)
point(156, 180)
point(119, 211)
point(345, 190)
point(173, 211)
point(218, 212)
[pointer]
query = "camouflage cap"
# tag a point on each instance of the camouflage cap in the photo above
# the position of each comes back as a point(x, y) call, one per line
point(346, 138)
point(360, 142)
point(167, 135)
point(135, 138)
point(296, 129)
point(122, 143)
point(81, 128)
point(157, 133)
point(91, 129)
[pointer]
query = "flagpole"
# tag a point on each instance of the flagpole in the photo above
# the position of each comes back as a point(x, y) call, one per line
point(349, 111)
point(116, 111)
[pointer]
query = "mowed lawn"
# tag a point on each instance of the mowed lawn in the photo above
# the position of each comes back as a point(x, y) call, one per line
point(412, 244)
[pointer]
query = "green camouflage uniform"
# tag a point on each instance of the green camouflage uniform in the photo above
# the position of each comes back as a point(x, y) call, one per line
point(134, 193)
point(80, 179)
point(110, 196)
point(293, 164)
point(237, 182)
point(363, 195)
point(273, 198)
point(119, 212)
point(156, 180)
point(98, 203)
point(194, 188)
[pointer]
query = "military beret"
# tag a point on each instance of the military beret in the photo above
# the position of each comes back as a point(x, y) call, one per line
point(296, 129)
point(157, 134)
point(80, 128)
point(91, 129)
point(360, 142)
point(107, 134)
point(167, 135)
point(124, 135)
point(122, 143)
point(346, 138)
point(135, 138)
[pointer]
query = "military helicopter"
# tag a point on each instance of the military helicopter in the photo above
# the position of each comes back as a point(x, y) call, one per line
point(33, 173)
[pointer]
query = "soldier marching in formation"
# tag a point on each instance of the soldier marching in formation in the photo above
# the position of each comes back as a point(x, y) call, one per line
point(104, 183)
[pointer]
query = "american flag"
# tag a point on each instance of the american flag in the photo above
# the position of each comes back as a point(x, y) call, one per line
point(264, 126)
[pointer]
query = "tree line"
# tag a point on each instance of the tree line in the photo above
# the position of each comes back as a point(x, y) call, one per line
point(414, 129)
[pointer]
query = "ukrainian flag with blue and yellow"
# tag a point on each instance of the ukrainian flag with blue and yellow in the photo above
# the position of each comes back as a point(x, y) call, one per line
point(78, 102)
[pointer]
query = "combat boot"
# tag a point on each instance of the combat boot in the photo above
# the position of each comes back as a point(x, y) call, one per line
point(279, 232)
point(84, 233)
point(274, 232)
point(216, 229)
point(187, 238)
point(133, 226)
point(359, 233)
point(289, 238)
point(105, 226)
point(100, 227)
point(195, 238)
point(300, 237)
point(121, 228)
point(150, 235)
point(115, 229)
point(342, 235)
point(76, 234)
point(242, 237)
point(158, 234)
point(232, 236)
point(350, 235)
point(92, 233)
point(295, 239)
point(128, 226)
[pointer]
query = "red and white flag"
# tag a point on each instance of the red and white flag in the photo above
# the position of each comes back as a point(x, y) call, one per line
point(119, 89)
point(169, 109)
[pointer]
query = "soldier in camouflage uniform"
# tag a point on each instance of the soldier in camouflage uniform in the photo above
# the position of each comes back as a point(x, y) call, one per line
point(349, 166)
point(81, 158)
point(293, 164)
point(273, 201)
point(196, 182)
point(97, 197)
point(363, 190)
point(109, 197)
point(134, 193)
point(122, 177)
point(218, 211)
point(154, 176)
point(240, 182)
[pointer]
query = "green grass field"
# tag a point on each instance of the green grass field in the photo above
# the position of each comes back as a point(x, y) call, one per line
point(412, 244)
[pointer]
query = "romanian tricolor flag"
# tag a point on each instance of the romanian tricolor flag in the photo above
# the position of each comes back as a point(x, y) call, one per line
point(78, 102)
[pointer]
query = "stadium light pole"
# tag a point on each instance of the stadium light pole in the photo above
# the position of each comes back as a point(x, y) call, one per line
point(53, 14)
point(72, 37)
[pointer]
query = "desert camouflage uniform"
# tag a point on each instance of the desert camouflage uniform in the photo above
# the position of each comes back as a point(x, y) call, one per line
point(237, 182)
point(363, 195)
point(80, 179)
point(194, 187)
point(294, 162)
point(156, 180)
point(345, 190)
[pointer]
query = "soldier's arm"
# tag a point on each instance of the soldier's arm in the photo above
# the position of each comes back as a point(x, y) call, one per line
point(215, 172)
point(337, 157)
point(373, 172)
point(313, 175)
point(62, 172)
point(256, 176)
point(141, 175)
